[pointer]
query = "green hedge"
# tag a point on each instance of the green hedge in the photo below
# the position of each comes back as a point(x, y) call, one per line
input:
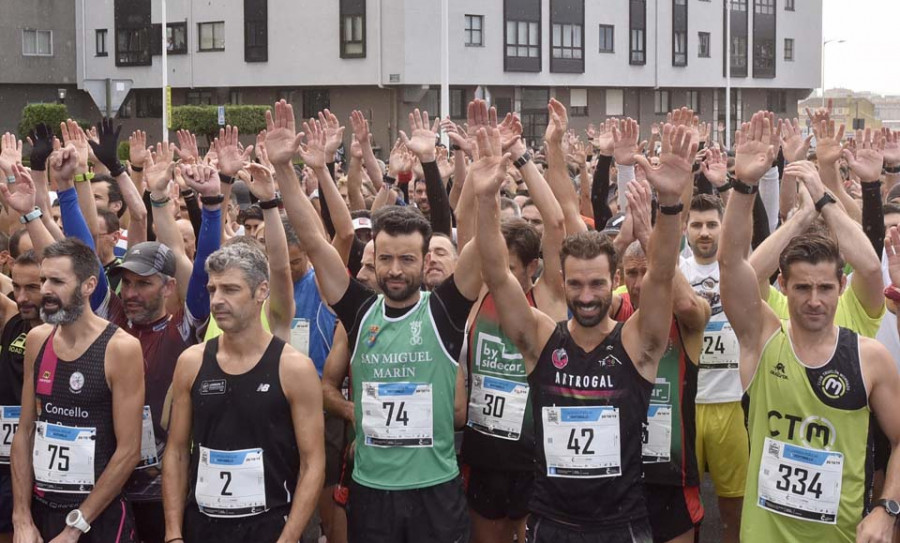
point(203, 120)
point(32, 114)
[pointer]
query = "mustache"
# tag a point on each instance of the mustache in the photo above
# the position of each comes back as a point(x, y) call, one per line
point(50, 299)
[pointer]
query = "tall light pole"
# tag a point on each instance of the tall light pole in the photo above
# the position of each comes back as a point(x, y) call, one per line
point(165, 75)
point(445, 65)
point(824, 43)
point(727, 76)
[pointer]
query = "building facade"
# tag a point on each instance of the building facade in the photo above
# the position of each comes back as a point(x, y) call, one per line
point(637, 58)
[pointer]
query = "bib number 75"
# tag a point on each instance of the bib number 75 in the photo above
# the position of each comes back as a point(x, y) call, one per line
point(58, 456)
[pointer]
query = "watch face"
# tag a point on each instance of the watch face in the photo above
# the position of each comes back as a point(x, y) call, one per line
point(72, 517)
point(892, 507)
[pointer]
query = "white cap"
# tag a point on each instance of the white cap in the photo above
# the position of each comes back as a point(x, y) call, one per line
point(361, 223)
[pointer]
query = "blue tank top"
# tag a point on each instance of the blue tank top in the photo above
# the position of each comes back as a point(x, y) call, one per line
point(309, 305)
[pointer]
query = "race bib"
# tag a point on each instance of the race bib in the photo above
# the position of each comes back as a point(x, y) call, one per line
point(9, 423)
point(231, 483)
point(800, 483)
point(497, 406)
point(657, 435)
point(397, 414)
point(582, 442)
point(720, 347)
point(64, 458)
point(300, 335)
point(149, 455)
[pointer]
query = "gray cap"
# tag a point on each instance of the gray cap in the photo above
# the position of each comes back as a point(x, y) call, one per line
point(148, 258)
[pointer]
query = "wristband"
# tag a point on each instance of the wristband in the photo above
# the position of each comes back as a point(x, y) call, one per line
point(892, 293)
point(522, 160)
point(212, 200)
point(10, 179)
point(824, 201)
point(137, 169)
point(117, 169)
point(227, 179)
point(188, 193)
point(32, 215)
point(159, 203)
point(82, 177)
point(270, 204)
point(404, 177)
point(725, 187)
point(455, 147)
point(672, 210)
point(744, 188)
point(891, 169)
point(388, 180)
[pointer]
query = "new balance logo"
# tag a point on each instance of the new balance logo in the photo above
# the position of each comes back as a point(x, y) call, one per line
point(263, 387)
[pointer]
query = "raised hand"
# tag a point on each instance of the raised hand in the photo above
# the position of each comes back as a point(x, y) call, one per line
point(625, 141)
point(806, 172)
point(559, 122)
point(892, 248)
point(187, 147)
point(138, 153)
point(106, 147)
point(360, 127)
point(11, 148)
point(868, 160)
point(445, 167)
point(793, 145)
point(639, 204)
point(231, 159)
point(202, 178)
point(63, 163)
point(262, 183)
point(72, 133)
point(673, 174)
point(423, 138)
point(282, 139)
point(21, 194)
point(488, 173)
point(41, 141)
point(715, 167)
point(828, 141)
point(313, 153)
point(891, 147)
point(334, 133)
point(821, 114)
point(754, 149)
point(400, 159)
point(510, 129)
point(160, 170)
point(602, 139)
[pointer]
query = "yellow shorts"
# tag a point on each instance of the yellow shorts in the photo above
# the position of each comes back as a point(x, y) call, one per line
point(723, 446)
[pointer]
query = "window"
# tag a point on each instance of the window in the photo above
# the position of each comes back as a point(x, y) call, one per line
point(776, 101)
point(788, 49)
point(199, 98)
point(176, 38)
point(523, 39)
point(353, 29)
point(474, 26)
point(615, 102)
point(680, 49)
point(637, 36)
point(235, 97)
point(567, 41)
point(148, 103)
point(457, 103)
point(764, 7)
point(133, 40)
point(503, 105)
point(739, 5)
point(788, 5)
point(763, 58)
point(578, 106)
point(212, 36)
point(314, 101)
point(739, 52)
point(37, 43)
point(256, 31)
point(703, 45)
point(607, 39)
point(661, 102)
point(693, 101)
point(100, 42)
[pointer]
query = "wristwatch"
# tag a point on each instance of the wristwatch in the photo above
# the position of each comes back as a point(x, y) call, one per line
point(34, 214)
point(522, 160)
point(824, 201)
point(891, 506)
point(76, 520)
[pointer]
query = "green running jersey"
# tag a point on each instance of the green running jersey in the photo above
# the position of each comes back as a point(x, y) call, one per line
point(810, 469)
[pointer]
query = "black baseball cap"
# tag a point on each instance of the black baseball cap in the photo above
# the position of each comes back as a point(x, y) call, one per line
point(148, 258)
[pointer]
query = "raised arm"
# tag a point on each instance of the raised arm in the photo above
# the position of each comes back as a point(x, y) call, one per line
point(74, 135)
point(751, 318)
point(20, 196)
point(421, 143)
point(282, 142)
point(645, 335)
point(828, 151)
point(315, 154)
point(370, 163)
point(354, 177)
point(866, 160)
point(557, 174)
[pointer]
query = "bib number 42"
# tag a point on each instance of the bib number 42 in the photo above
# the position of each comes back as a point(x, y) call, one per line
point(577, 445)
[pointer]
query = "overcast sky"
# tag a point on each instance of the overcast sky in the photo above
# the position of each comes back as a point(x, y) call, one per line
point(870, 58)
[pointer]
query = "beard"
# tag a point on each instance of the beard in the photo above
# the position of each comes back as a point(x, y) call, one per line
point(146, 313)
point(65, 314)
point(603, 306)
point(412, 285)
point(709, 253)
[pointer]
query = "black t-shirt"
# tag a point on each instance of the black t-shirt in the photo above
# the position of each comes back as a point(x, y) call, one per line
point(12, 359)
point(448, 306)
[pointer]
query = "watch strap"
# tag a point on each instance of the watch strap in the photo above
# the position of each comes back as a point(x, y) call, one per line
point(270, 204)
point(672, 210)
point(522, 160)
point(743, 188)
point(212, 200)
point(824, 201)
point(725, 187)
point(32, 215)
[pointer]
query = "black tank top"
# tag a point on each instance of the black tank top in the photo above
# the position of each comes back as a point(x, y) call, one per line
point(246, 411)
point(76, 394)
point(566, 375)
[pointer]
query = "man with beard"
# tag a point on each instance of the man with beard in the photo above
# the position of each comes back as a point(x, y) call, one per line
point(591, 377)
point(79, 434)
point(722, 441)
point(407, 385)
point(366, 274)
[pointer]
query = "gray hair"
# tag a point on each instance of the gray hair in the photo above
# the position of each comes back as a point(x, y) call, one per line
point(634, 251)
point(247, 258)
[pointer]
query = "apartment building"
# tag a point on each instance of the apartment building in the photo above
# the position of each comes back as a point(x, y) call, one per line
point(637, 58)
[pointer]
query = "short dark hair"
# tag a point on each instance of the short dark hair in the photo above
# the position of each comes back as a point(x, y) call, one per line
point(522, 239)
point(360, 213)
point(28, 258)
point(812, 248)
point(14, 240)
point(111, 220)
point(399, 221)
point(252, 212)
point(289, 232)
point(707, 202)
point(891, 209)
point(587, 245)
point(448, 238)
point(115, 193)
point(84, 261)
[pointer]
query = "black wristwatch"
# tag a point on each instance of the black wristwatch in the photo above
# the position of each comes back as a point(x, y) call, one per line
point(824, 201)
point(891, 506)
point(522, 160)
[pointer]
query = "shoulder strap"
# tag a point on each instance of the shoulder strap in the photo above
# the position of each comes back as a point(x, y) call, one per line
point(210, 351)
point(47, 370)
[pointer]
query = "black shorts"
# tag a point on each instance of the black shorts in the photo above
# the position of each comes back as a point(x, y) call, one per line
point(114, 525)
point(334, 448)
point(6, 502)
point(436, 514)
point(264, 527)
point(495, 494)
point(673, 510)
point(543, 530)
point(149, 521)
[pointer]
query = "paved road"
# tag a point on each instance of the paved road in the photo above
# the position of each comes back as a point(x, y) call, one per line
point(711, 529)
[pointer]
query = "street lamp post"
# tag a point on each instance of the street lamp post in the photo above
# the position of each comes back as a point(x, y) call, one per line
point(826, 42)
